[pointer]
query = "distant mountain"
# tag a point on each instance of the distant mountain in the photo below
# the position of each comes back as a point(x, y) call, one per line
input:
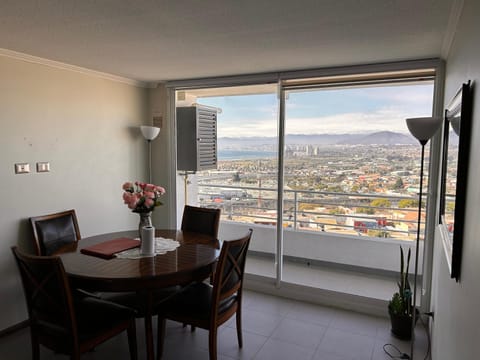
point(383, 138)
point(322, 139)
point(376, 138)
point(246, 141)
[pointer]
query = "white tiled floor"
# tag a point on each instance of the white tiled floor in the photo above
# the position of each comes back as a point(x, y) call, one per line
point(273, 328)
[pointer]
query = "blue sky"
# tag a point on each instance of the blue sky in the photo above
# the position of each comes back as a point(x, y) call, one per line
point(351, 110)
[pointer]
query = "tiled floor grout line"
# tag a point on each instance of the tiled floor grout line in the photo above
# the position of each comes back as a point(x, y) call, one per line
point(318, 345)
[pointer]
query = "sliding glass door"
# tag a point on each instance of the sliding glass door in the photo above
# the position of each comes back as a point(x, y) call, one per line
point(351, 175)
point(324, 170)
point(244, 185)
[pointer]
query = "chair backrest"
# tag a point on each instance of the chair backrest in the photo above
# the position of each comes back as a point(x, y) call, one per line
point(228, 278)
point(51, 232)
point(48, 296)
point(201, 220)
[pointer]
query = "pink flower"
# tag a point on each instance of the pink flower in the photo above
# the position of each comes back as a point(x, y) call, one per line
point(150, 187)
point(140, 196)
point(128, 186)
point(149, 194)
point(133, 201)
point(130, 199)
point(126, 196)
point(148, 202)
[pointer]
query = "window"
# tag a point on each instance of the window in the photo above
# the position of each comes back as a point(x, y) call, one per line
point(341, 154)
point(350, 163)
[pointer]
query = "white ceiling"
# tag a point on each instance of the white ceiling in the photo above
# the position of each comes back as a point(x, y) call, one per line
point(155, 40)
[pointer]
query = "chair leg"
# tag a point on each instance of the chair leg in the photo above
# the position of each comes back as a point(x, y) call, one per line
point(239, 327)
point(132, 340)
point(212, 343)
point(160, 336)
point(35, 347)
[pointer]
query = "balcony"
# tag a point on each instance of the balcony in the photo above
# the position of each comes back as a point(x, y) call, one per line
point(342, 256)
point(314, 211)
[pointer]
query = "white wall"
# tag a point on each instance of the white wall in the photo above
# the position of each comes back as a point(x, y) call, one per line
point(87, 128)
point(455, 329)
point(162, 153)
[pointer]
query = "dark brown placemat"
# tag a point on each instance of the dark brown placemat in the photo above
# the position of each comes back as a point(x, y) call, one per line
point(108, 249)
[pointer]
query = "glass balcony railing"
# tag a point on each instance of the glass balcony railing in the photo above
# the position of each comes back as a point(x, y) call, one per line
point(372, 215)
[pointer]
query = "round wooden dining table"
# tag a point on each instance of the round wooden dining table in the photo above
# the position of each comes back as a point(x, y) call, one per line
point(193, 260)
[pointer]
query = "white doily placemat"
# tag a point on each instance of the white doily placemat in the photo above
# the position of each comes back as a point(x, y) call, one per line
point(162, 246)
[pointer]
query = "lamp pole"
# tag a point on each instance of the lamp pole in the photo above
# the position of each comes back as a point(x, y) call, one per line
point(149, 161)
point(149, 133)
point(422, 129)
point(417, 246)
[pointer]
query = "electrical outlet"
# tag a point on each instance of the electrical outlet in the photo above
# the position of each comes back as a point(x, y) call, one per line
point(22, 168)
point(43, 166)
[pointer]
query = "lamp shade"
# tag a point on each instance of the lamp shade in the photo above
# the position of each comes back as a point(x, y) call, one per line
point(423, 128)
point(149, 132)
point(455, 122)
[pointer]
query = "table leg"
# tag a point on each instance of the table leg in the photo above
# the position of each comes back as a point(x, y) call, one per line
point(148, 327)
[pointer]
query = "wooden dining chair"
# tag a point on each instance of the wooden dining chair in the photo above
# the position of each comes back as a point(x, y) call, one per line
point(52, 231)
point(65, 322)
point(209, 306)
point(201, 220)
point(204, 221)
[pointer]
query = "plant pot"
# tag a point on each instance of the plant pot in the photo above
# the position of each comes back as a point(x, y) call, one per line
point(402, 325)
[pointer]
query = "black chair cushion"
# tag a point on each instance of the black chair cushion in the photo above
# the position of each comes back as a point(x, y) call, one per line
point(193, 301)
point(55, 233)
point(95, 316)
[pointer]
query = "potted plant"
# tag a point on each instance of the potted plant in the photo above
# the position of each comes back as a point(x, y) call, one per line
point(400, 308)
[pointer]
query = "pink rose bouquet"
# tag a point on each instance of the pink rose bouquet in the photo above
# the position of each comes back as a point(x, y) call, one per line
point(142, 197)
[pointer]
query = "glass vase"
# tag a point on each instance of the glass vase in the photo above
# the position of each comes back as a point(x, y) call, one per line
point(145, 220)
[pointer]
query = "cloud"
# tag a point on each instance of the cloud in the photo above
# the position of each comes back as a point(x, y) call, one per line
point(333, 111)
point(248, 127)
point(386, 119)
point(348, 123)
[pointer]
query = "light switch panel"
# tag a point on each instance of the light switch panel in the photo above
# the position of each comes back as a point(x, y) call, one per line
point(43, 166)
point(22, 168)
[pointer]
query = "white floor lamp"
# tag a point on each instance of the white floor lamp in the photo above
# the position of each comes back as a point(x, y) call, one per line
point(422, 128)
point(149, 133)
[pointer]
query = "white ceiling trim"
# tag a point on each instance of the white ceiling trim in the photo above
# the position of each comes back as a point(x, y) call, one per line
point(63, 66)
point(454, 18)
